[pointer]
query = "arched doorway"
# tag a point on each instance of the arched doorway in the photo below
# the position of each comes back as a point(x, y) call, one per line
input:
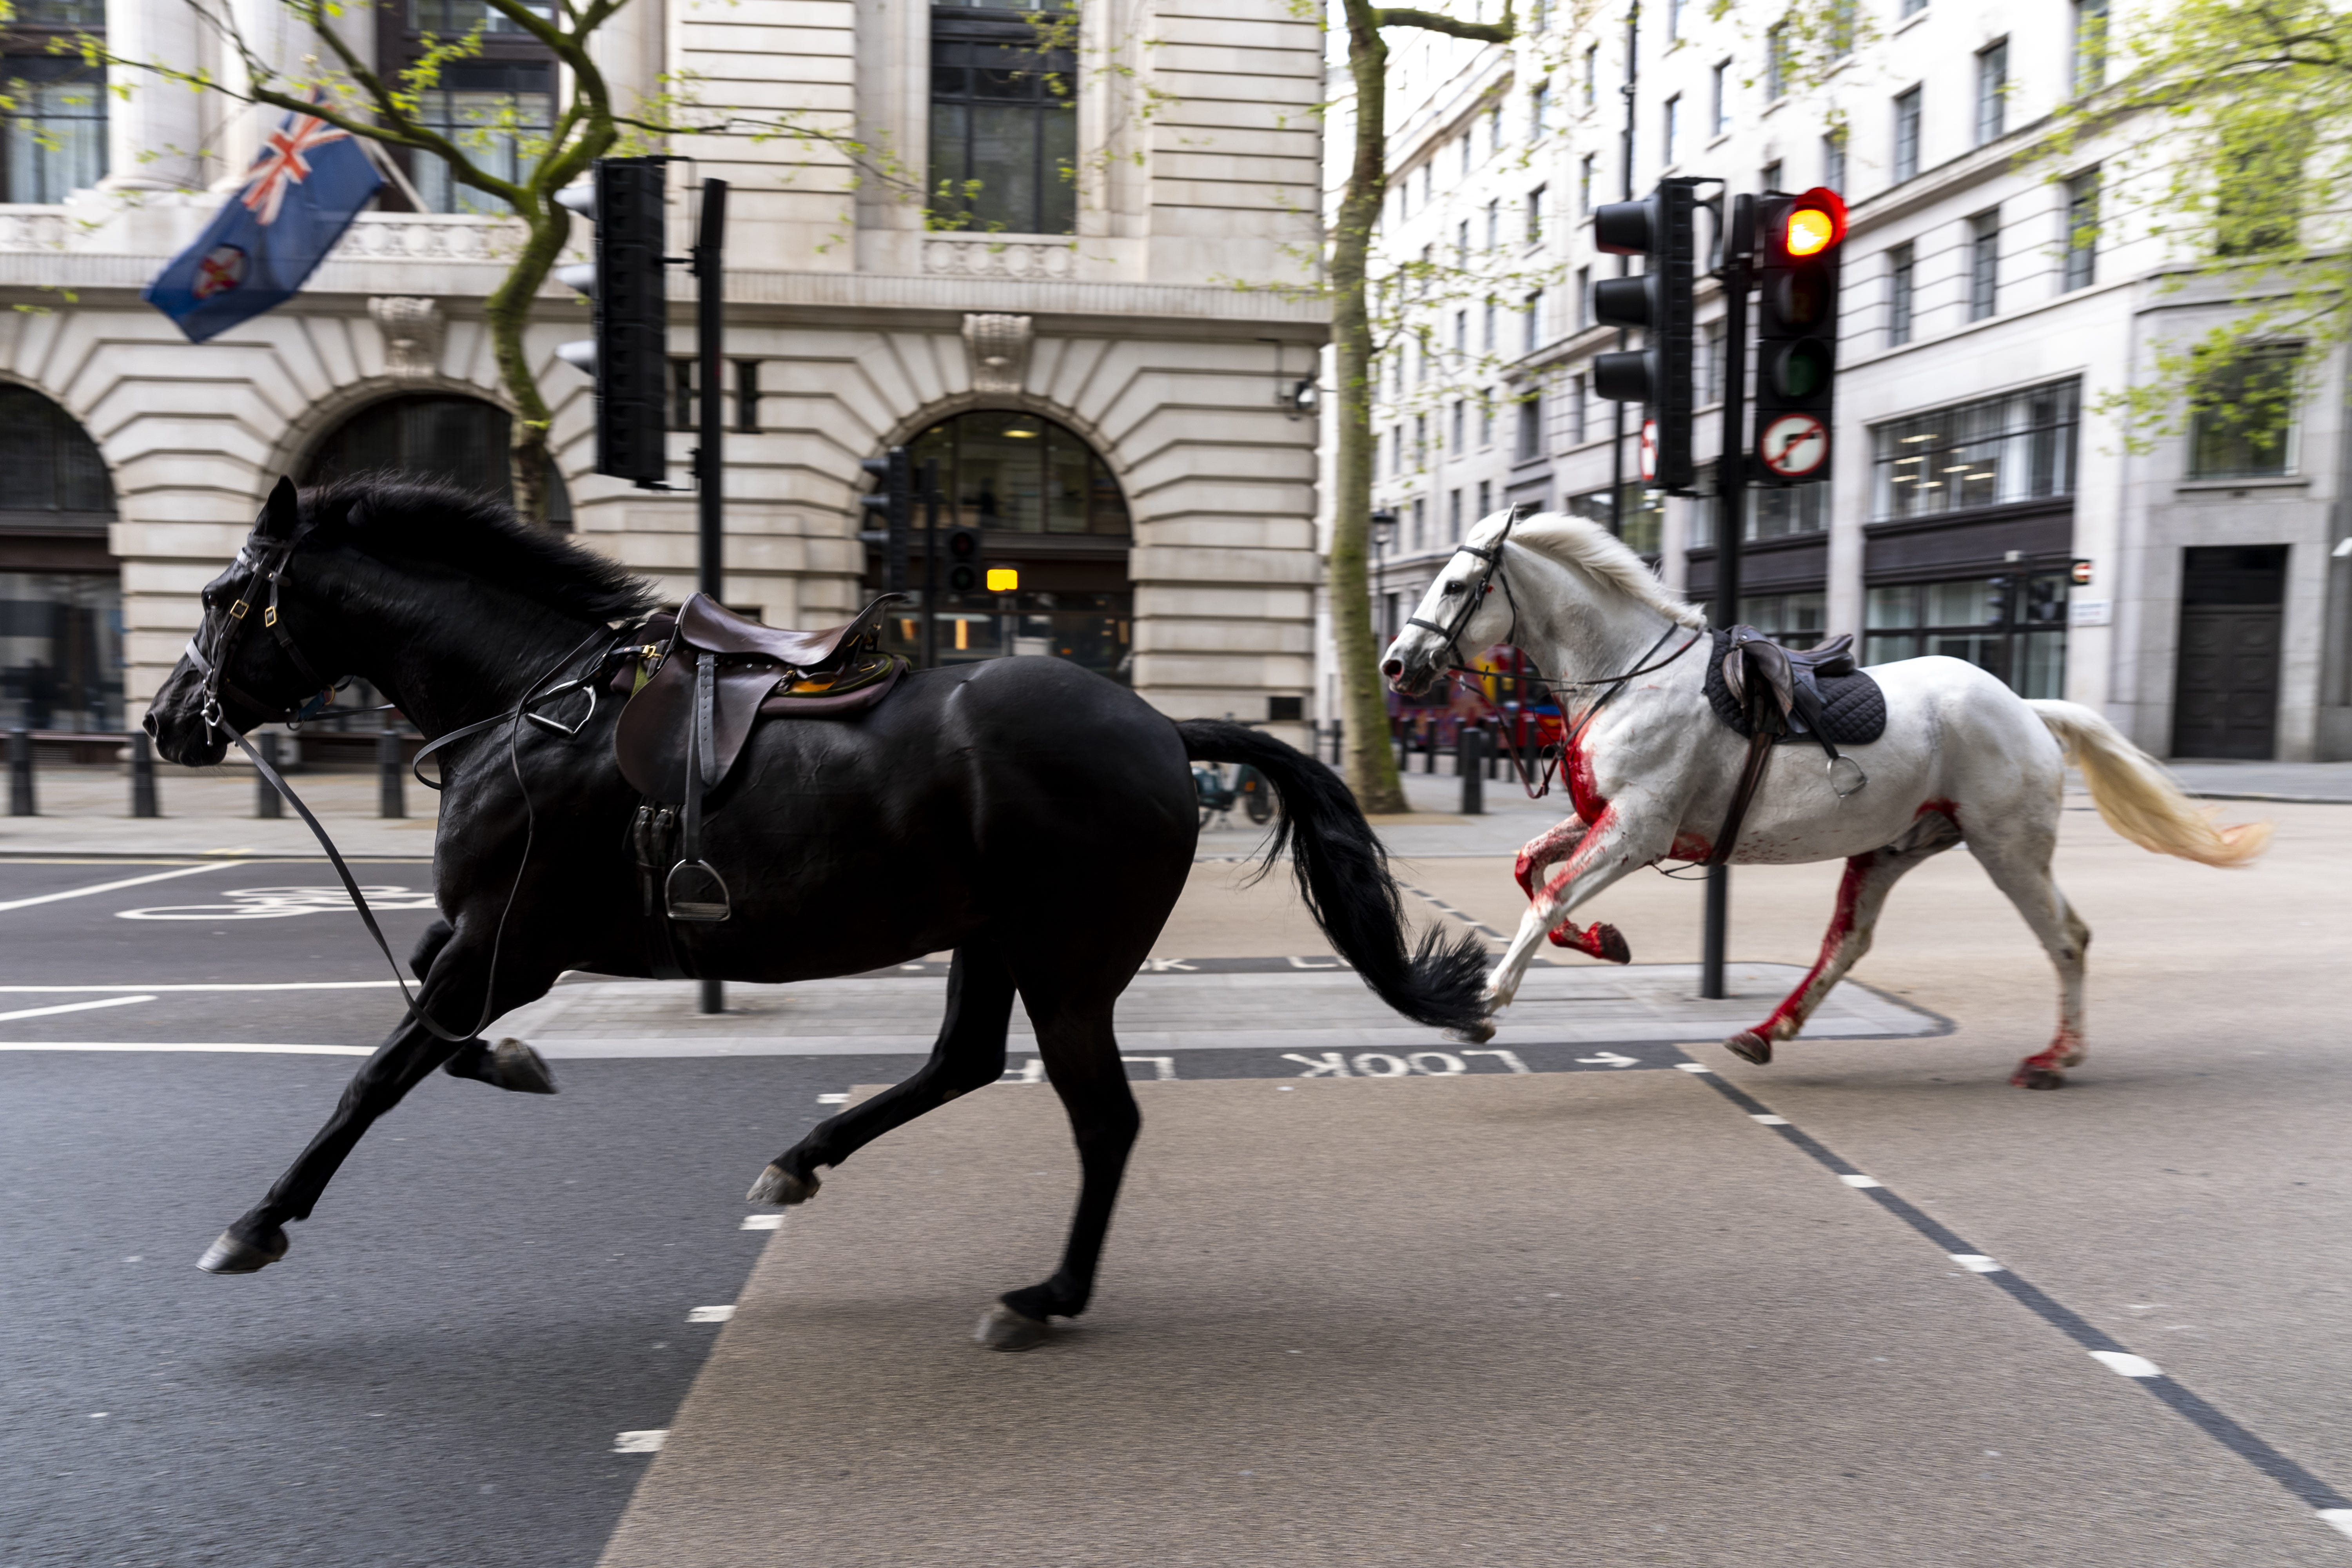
point(61, 590)
point(1050, 510)
point(463, 439)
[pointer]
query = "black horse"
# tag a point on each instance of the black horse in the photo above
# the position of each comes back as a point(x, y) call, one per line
point(1035, 819)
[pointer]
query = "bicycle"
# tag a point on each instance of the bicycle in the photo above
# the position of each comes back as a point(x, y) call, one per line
point(1248, 790)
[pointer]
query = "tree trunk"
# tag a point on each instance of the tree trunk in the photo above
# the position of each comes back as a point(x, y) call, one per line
point(1371, 759)
point(509, 309)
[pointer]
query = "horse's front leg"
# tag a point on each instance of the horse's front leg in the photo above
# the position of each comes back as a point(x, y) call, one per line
point(452, 996)
point(1628, 834)
point(1540, 854)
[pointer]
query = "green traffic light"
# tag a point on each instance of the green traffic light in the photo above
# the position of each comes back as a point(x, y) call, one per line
point(1802, 369)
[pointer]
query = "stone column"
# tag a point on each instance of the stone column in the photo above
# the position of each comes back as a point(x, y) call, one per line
point(275, 38)
point(630, 50)
point(153, 138)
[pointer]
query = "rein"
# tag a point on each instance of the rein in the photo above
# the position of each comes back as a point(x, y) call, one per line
point(271, 562)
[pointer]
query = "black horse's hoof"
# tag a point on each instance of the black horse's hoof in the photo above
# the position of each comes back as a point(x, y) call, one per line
point(778, 1185)
point(1003, 1329)
point(232, 1253)
point(1750, 1046)
point(515, 1066)
point(2037, 1078)
point(1476, 1033)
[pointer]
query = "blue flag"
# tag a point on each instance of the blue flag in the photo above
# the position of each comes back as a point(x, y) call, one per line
point(309, 182)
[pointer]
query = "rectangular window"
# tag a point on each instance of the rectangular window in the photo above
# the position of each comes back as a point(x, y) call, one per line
point(1584, 185)
point(499, 112)
point(1461, 426)
point(1488, 343)
point(1899, 263)
point(1776, 62)
point(1906, 135)
point(1494, 126)
point(1718, 118)
point(1576, 409)
point(1534, 310)
point(1494, 226)
point(1913, 8)
point(2242, 425)
point(54, 127)
point(1792, 620)
point(1643, 511)
point(1429, 181)
point(1485, 498)
point(1419, 521)
point(1992, 91)
point(1004, 126)
point(1591, 78)
point(1535, 215)
point(2019, 447)
point(2090, 45)
point(1465, 154)
point(2013, 625)
point(683, 384)
point(1775, 511)
point(1530, 442)
point(1454, 512)
point(1984, 264)
point(1768, 178)
point(747, 396)
point(1673, 143)
point(2081, 216)
point(1420, 440)
point(1710, 364)
point(1583, 298)
point(1674, 20)
point(1486, 433)
point(1539, 111)
point(1833, 161)
point(1538, 15)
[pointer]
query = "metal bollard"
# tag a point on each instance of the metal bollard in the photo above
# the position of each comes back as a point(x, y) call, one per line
point(1493, 746)
point(20, 772)
point(1338, 743)
point(266, 802)
point(143, 775)
point(391, 797)
point(1465, 763)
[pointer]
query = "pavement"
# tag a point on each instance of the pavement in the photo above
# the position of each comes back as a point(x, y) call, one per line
point(507, 1338)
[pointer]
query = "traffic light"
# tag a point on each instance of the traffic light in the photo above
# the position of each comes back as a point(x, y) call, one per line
point(963, 545)
point(1798, 238)
point(894, 497)
point(1662, 229)
point(629, 355)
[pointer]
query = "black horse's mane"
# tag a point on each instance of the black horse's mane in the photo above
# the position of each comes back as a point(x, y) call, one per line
point(406, 517)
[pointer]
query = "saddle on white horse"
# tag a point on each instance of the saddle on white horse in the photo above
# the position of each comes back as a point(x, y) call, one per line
point(1770, 695)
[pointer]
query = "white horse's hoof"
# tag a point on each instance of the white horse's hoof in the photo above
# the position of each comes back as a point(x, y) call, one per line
point(1750, 1046)
point(778, 1185)
point(1003, 1329)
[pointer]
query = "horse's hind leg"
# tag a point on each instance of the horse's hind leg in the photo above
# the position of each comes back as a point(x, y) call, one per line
point(969, 1055)
point(2021, 869)
point(1081, 1057)
point(1860, 896)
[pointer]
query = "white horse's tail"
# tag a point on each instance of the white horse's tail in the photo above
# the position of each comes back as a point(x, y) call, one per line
point(2139, 799)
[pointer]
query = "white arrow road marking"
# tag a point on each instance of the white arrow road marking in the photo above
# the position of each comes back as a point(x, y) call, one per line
point(649, 1441)
point(1610, 1059)
point(73, 1008)
point(709, 1314)
point(106, 886)
point(2126, 1363)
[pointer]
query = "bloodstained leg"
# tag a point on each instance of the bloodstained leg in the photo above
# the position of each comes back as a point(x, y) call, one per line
point(1862, 894)
point(1599, 941)
point(2022, 870)
point(1606, 852)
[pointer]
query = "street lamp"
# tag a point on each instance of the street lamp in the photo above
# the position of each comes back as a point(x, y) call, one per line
point(1384, 524)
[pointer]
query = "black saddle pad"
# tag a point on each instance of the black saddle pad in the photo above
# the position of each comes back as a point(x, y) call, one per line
point(1853, 709)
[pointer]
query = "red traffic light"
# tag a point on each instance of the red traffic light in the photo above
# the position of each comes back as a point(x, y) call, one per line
point(1811, 225)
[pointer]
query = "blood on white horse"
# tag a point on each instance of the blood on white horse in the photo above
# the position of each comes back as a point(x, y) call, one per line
point(1651, 772)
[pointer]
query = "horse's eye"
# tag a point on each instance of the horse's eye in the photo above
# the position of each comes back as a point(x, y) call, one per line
point(1451, 585)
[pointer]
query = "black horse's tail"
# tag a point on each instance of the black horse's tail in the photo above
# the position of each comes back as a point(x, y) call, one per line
point(1343, 875)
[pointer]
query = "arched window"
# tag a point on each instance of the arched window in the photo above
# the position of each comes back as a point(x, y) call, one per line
point(1050, 512)
point(60, 593)
point(462, 439)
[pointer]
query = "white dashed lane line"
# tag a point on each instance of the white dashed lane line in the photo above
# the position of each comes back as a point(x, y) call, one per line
point(2333, 1507)
point(763, 1221)
point(72, 1008)
point(648, 1441)
point(107, 887)
point(710, 1314)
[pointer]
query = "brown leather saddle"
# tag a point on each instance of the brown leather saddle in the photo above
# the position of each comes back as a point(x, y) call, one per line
point(703, 678)
point(1773, 694)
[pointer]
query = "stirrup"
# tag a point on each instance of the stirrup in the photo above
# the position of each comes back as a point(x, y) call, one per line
point(695, 892)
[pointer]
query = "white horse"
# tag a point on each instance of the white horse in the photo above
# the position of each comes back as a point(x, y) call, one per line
point(1651, 770)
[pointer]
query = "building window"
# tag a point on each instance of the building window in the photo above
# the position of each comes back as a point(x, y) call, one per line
point(2242, 425)
point(1913, 8)
point(1792, 620)
point(1429, 181)
point(1583, 298)
point(1899, 263)
point(1992, 452)
point(1021, 474)
point(2014, 626)
point(1539, 16)
point(1833, 161)
point(1420, 440)
point(1419, 523)
point(1768, 178)
point(1591, 78)
point(1495, 223)
point(1461, 244)
point(2090, 45)
point(1577, 402)
point(1494, 126)
point(1004, 126)
point(1644, 514)
point(2082, 237)
point(1776, 62)
point(1485, 498)
point(1777, 511)
point(497, 105)
point(1584, 185)
point(1461, 333)
point(1533, 308)
point(1461, 426)
point(1488, 340)
point(1485, 426)
point(1539, 111)
point(54, 127)
point(747, 396)
point(1454, 512)
point(1718, 118)
point(1535, 215)
point(1465, 161)
point(1906, 135)
point(1673, 145)
point(1992, 91)
point(1984, 264)
point(1674, 20)
point(1530, 438)
point(1709, 367)
point(683, 384)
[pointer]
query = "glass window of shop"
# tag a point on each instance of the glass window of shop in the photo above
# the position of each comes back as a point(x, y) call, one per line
point(2014, 626)
point(1992, 452)
point(61, 650)
point(1644, 514)
point(1795, 620)
point(1021, 473)
point(1770, 512)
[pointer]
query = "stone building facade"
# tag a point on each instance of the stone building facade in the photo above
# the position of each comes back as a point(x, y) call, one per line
point(1986, 313)
point(1123, 307)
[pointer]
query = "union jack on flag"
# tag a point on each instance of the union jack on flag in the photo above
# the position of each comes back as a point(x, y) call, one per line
point(284, 161)
point(310, 180)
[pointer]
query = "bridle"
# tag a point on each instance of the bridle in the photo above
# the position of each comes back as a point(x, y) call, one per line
point(1488, 580)
point(265, 559)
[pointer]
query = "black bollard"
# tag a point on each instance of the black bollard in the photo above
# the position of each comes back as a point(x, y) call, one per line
point(1493, 747)
point(266, 802)
point(1465, 763)
point(20, 772)
point(143, 775)
point(1338, 743)
point(391, 798)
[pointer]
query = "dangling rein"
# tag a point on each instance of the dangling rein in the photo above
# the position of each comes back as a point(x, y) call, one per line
point(1547, 759)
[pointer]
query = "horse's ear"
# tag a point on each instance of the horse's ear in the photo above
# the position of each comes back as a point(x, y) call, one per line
point(282, 513)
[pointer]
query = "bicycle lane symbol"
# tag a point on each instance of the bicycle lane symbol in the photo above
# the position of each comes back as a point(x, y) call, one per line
point(280, 903)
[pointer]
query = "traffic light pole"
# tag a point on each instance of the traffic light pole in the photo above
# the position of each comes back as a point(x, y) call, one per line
point(1730, 490)
point(931, 565)
point(711, 457)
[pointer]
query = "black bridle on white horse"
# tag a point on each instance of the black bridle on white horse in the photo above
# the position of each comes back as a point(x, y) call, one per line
point(265, 561)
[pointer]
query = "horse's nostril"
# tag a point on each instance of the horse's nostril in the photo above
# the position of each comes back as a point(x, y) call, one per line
point(1392, 669)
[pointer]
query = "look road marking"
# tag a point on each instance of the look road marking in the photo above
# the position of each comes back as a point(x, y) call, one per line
point(106, 886)
point(73, 1008)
